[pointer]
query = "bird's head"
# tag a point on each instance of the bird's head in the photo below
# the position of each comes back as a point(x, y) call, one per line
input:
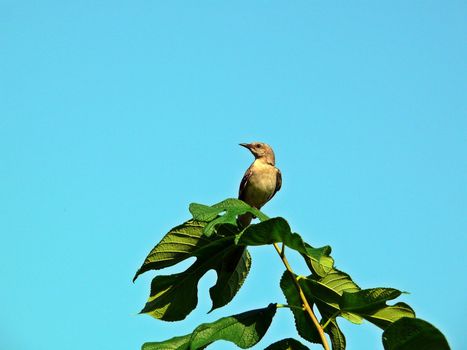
point(261, 151)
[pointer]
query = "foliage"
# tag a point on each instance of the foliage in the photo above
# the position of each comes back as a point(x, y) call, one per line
point(245, 330)
point(213, 237)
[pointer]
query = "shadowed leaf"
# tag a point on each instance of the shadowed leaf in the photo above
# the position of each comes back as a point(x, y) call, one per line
point(277, 230)
point(244, 330)
point(176, 343)
point(304, 325)
point(173, 297)
point(231, 275)
point(287, 344)
point(413, 333)
point(336, 335)
point(371, 305)
point(367, 299)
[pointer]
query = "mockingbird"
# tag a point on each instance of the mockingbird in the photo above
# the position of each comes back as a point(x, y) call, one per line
point(261, 180)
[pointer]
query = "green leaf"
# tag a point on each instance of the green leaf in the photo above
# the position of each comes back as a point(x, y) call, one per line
point(244, 330)
point(287, 344)
point(304, 325)
point(230, 208)
point(371, 305)
point(231, 275)
point(180, 243)
point(319, 292)
point(337, 294)
point(277, 230)
point(367, 299)
point(176, 343)
point(327, 292)
point(203, 212)
point(387, 315)
point(173, 297)
point(339, 282)
point(413, 333)
point(315, 265)
point(336, 335)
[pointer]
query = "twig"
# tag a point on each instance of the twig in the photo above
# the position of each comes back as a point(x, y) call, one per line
point(302, 296)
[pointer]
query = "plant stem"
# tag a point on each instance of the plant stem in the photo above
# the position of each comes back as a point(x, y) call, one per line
point(307, 307)
point(289, 306)
point(330, 319)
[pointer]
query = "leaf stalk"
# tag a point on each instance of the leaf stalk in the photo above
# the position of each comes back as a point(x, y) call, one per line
point(330, 319)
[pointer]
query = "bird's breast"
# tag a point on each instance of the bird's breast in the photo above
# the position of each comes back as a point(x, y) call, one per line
point(261, 185)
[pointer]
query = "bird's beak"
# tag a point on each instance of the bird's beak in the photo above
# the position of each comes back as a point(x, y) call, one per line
point(246, 145)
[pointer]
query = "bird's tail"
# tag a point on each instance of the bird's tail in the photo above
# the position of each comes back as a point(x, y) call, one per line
point(244, 220)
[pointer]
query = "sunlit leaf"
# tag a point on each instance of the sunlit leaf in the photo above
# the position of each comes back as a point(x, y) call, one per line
point(180, 243)
point(327, 292)
point(203, 212)
point(223, 212)
point(383, 317)
point(316, 266)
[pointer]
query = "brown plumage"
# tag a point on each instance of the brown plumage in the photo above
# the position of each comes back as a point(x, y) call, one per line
point(261, 180)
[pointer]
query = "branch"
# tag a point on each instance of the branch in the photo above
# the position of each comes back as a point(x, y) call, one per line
point(307, 307)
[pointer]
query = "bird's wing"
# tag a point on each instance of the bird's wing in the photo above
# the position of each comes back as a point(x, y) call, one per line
point(278, 183)
point(243, 183)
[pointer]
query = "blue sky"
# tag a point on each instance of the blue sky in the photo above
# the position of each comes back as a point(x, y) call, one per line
point(115, 115)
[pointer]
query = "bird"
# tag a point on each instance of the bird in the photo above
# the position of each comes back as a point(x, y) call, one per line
point(261, 181)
